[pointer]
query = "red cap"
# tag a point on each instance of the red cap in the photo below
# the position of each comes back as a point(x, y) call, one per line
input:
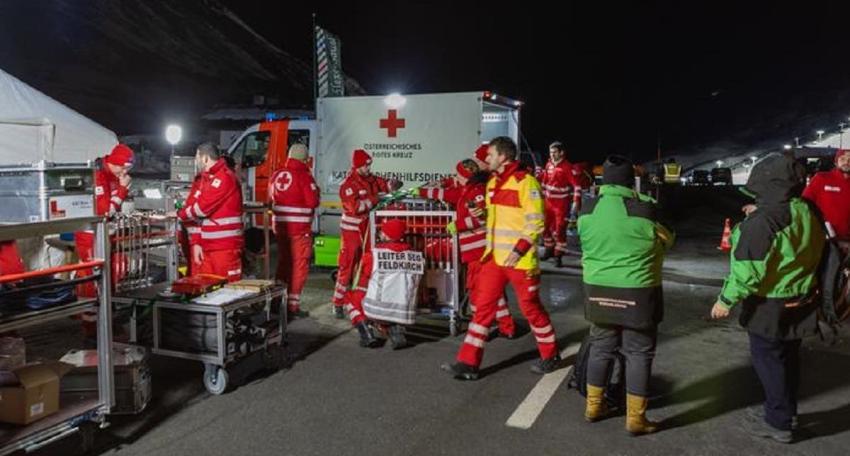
point(462, 171)
point(840, 152)
point(361, 158)
point(121, 155)
point(481, 152)
point(394, 229)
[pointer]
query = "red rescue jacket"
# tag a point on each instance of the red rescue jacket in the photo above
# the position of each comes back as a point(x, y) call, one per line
point(218, 208)
point(295, 197)
point(109, 194)
point(359, 195)
point(830, 192)
point(471, 231)
point(559, 182)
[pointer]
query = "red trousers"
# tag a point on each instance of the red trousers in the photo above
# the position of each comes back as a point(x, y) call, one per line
point(293, 264)
point(354, 306)
point(349, 255)
point(85, 252)
point(224, 263)
point(492, 280)
point(555, 231)
point(503, 313)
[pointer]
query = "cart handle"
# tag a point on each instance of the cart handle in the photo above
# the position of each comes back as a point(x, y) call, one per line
point(50, 271)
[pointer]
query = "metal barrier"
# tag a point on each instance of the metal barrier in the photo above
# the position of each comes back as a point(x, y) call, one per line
point(134, 238)
point(440, 288)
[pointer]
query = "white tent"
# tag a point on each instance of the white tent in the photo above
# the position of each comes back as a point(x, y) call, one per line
point(36, 127)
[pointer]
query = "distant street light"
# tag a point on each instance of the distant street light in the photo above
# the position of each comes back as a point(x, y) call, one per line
point(787, 147)
point(754, 158)
point(719, 163)
point(820, 135)
point(173, 134)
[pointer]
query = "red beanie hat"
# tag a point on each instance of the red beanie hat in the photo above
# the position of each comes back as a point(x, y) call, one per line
point(840, 152)
point(361, 158)
point(462, 171)
point(394, 229)
point(121, 155)
point(481, 152)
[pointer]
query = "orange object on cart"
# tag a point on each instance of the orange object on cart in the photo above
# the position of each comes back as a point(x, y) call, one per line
point(197, 284)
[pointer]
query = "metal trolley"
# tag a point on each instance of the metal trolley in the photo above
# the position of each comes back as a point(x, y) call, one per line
point(440, 289)
point(224, 337)
point(78, 414)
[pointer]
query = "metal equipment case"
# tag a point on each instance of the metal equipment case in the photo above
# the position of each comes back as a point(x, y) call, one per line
point(45, 191)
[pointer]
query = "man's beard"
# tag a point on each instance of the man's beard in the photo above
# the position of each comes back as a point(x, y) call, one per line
point(844, 169)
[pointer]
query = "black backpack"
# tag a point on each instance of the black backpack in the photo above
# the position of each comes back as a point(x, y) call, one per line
point(834, 290)
point(615, 390)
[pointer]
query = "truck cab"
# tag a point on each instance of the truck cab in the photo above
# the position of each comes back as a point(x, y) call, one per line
point(262, 149)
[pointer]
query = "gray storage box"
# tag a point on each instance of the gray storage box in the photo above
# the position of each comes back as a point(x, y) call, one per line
point(182, 168)
point(46, 191)
point(132, 377)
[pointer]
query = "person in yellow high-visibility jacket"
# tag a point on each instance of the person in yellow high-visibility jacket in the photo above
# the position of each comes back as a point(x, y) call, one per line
point(514, 224)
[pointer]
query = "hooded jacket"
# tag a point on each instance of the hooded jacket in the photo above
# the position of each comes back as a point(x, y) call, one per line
point(775, 255)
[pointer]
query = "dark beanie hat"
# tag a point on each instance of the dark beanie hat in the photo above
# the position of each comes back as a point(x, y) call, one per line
point(618, 170)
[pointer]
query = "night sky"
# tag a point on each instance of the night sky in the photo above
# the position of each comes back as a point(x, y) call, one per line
point(601, 76)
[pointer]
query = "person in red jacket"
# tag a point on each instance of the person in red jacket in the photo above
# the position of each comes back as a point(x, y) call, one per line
point(111, 187)
point(218, 209)
point(559, 185)
point(294, 196)
point(392, 283)
point(468, 200)
point(359, 193)
point(830, 192)
point(193, 231)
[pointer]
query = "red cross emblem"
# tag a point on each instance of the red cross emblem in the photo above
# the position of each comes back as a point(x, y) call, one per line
point(283, 181)
point(392, 123)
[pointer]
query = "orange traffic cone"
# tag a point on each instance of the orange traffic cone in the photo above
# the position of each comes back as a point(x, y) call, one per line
point(725, 245)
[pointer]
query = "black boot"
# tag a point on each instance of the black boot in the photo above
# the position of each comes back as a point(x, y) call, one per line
point(548, 253)
point(461, 371)
point(397, 337)
point(293, 313)
point(367, 339)
point(559, 262)
point(546, 366)
point(339, 313)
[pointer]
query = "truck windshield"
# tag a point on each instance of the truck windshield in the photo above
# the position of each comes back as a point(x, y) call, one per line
point(252, 150)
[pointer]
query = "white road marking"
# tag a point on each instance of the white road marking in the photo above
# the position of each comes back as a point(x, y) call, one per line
point(530, 408)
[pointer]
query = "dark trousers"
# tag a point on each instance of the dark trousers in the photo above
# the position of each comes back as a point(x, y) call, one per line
point(637, 346)
point(777, 364)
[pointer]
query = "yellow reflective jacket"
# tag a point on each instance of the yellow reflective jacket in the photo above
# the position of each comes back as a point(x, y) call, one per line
point(514, 217)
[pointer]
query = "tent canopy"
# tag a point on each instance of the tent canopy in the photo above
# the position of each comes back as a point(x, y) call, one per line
point(36, 127)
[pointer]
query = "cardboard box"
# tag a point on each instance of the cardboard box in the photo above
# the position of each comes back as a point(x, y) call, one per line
point(13, 353)
point(36, 395)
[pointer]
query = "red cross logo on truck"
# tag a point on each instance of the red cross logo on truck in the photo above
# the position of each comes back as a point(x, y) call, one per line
point(392, 123)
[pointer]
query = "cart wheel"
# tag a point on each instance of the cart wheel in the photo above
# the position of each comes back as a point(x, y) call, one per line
point(87, 433)
point(273, 357)
point(216, 379)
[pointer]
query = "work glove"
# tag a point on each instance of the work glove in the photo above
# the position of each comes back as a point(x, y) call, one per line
point(413, 191)
point(451, 228)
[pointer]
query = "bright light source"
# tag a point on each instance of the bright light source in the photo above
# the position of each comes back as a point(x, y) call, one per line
point(173, 134)
point(395, 100)
point(787, 147)
point(719, 162)
point(754, 158)
point(820, 132)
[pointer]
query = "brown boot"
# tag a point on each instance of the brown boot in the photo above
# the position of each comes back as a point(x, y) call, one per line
point(596, 407)
point(636, 422)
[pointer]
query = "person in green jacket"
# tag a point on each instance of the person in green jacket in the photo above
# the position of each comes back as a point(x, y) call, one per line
point(776, 251)
point(623, 247)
